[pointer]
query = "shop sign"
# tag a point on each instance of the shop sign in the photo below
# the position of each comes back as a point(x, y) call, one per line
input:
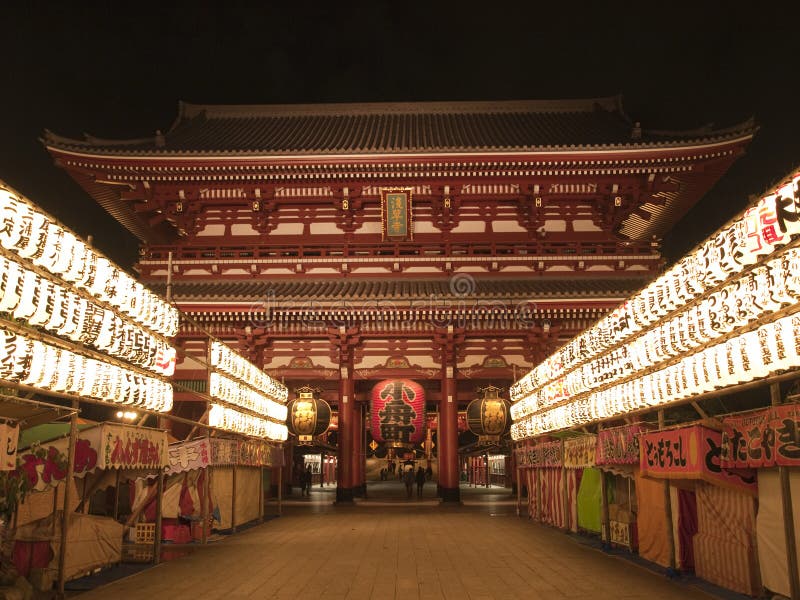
point(579, 452)
point(8, 446)
point(767, 438)
point(106, 446)
point(545, 454)
point(133, 448)
point(691, 453)
point(620, 533)
point(188, 456)
point(249, 453)
point(620, 445)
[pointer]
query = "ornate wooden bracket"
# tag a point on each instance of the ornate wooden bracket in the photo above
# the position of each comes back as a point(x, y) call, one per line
point(348, 203)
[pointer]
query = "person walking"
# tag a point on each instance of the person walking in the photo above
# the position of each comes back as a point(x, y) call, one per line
point(408, 479)
point(420, 481)
point(307, 481)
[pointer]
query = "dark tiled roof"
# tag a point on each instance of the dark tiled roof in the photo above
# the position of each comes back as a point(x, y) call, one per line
point(425, 127)
point(375, 289)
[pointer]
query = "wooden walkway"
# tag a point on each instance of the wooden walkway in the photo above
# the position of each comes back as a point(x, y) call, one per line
point(403, 553)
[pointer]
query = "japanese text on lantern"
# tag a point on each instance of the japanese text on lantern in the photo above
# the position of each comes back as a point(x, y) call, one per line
point(397, 416)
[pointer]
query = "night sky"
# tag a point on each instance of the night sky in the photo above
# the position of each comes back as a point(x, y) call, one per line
point(75, 67)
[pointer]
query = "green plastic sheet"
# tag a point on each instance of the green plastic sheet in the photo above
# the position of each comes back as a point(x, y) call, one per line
point(589, 504)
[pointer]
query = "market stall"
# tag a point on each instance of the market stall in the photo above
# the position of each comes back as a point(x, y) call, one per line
point(579, 455)
point(723, 319)
point(713, 506)
point(106, 455)
point(618, 457)
point(237, 472)
point(541, 470)
point(765, 440)
point(234, 468)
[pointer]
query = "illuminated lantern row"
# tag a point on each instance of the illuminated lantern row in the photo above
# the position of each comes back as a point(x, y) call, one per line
point(309, 416)
point(226, 360)
point(42, 366)
point(487, 417)
point(27, 296)
point(233, 392)
point(758, 293)
point(232, 420)
point(769, 349)
point(39, 239)
point(756, 233)
point(397, 412)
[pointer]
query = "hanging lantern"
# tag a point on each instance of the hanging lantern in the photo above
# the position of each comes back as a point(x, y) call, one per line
point(397, 409)
point(309, 416)
point(488, 415)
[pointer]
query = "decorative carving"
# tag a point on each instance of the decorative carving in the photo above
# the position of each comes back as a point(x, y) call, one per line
point(348, 203)
point(445, 211)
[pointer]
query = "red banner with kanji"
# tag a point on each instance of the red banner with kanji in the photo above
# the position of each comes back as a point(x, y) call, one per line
point(691, 453)
point(620, 445)
point(766, 438)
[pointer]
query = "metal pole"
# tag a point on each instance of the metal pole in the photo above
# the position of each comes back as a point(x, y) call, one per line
point(62, 550)
point(55, 511)
point(233, 501)
point(605, 527)
point(519, 490)
point(169, 277)
point(116, 496)
point(788, 512)
point(321, 468)
point(539, 497)
point(157, 534)
point(486, 458)
point(565, 496)
point(206, 505)
point(84, 503)
point(260, 493)
point(668, 509)
point(280, 490)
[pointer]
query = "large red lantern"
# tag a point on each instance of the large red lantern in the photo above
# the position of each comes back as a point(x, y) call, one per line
point(397, 412)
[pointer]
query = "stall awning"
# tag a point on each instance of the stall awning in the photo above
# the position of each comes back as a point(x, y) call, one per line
point(27, 413)
point(102, 446)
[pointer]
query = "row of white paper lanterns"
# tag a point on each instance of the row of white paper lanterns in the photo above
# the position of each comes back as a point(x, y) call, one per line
point(233, 392)
point(43, 366)
point(762, 228)
point(232, 420)
point(224, 359)
point(760, 292)
point(40, 302)
point(38, 238)
point(769, 349)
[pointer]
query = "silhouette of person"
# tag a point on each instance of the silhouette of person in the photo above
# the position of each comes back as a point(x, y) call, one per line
point(420, 481)
point(408, 479)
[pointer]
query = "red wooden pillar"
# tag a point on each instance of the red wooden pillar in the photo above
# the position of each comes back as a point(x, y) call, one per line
point(356, 458)
point(362, 465)
point(345, 454)
point(448, 435)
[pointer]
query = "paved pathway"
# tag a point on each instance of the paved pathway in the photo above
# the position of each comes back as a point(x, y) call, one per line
point(398, 552)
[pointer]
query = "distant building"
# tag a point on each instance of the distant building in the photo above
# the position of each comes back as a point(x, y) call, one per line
point(451, 243)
